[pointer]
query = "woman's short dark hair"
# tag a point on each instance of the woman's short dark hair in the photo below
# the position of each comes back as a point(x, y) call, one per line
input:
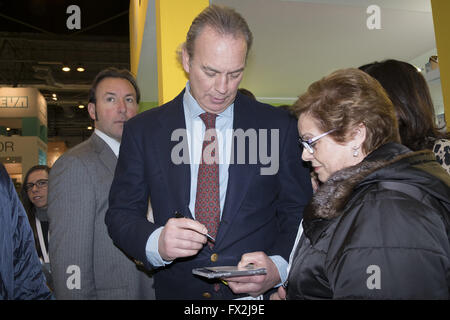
point(409, 92)
point(113, 73)
point(345, 99)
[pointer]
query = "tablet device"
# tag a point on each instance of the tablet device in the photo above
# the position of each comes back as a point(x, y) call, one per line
point(227, 271)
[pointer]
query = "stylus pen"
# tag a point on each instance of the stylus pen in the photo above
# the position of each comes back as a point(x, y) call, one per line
point(179, 215)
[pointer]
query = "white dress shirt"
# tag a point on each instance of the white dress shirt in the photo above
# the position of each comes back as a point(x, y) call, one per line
point(111, 142)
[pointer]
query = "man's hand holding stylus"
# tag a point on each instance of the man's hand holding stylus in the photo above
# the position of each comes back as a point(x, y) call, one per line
point(181, 237)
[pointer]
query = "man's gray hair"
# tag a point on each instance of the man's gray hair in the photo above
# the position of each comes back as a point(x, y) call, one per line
point(223, 20)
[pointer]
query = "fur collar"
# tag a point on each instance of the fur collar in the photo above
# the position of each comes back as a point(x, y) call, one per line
point(331, 198)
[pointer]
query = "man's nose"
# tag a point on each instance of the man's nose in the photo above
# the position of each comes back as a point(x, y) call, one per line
point(121, 106)
point(221, 84)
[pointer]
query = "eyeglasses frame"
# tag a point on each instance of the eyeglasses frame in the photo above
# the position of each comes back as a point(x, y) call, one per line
point(41, 183)
point(308, 144)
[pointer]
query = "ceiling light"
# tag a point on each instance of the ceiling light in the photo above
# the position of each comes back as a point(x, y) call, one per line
point(8, 129)
point(65, 69)
point(81, 106)
point(54, 95)
point(80, 69)
point(89, 127)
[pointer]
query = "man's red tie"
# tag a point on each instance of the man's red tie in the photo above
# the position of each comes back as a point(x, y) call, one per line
point(207, 201)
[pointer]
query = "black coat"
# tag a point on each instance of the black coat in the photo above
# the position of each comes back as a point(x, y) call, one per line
point(377, 230)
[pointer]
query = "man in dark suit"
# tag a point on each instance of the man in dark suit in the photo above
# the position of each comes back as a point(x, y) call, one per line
point(205, 156)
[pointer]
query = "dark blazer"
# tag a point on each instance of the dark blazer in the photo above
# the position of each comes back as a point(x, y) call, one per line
point(261, 212)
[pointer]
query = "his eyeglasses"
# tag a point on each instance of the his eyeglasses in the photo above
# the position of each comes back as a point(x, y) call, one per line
point(308, 144)
point(39, 184)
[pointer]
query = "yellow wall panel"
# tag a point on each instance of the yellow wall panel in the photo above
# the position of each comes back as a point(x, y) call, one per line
point(441, 18)
point(137, 15)
point(173, 19)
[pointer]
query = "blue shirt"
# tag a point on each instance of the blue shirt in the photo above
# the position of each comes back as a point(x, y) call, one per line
point(195, 132)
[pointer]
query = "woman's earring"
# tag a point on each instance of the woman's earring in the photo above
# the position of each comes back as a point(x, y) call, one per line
point(355, 151)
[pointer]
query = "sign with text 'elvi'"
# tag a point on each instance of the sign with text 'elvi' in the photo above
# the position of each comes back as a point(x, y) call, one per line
point(23, 103)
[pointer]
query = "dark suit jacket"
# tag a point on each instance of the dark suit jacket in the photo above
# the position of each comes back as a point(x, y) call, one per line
point(261, 212)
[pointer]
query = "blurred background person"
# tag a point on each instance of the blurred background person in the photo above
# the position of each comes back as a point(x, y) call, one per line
point(409, 92)
point(34, 198)
point(378, 226)
point(21, 277)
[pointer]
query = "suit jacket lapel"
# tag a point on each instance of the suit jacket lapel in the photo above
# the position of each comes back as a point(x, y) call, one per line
point(239, 175)
point(178, 174)
point(105, 154)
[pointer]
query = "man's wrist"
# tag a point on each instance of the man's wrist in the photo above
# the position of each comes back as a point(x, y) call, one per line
point(281, 265)
point(151, 249)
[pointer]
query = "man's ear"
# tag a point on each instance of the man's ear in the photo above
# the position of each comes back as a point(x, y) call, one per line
point(185, 59)
point(92, 111)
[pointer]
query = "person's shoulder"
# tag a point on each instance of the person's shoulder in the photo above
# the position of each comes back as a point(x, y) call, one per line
point(5, 180)
point(3, 173)
point(442, 145)
point(82, 148)
point(395, 201)
point(77, 153)
point(145, 117)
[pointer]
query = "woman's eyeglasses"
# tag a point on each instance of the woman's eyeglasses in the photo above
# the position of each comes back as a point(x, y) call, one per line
point(39, 184)
point(308, 144)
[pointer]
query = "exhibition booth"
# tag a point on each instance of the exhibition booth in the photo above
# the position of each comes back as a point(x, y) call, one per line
point(23, 130)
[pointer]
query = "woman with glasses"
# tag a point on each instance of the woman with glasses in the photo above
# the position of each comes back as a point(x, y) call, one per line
point(379, 225)
point(34, 197)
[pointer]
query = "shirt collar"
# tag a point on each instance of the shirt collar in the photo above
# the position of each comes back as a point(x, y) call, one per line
point(194, 110)
point(111, 142)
